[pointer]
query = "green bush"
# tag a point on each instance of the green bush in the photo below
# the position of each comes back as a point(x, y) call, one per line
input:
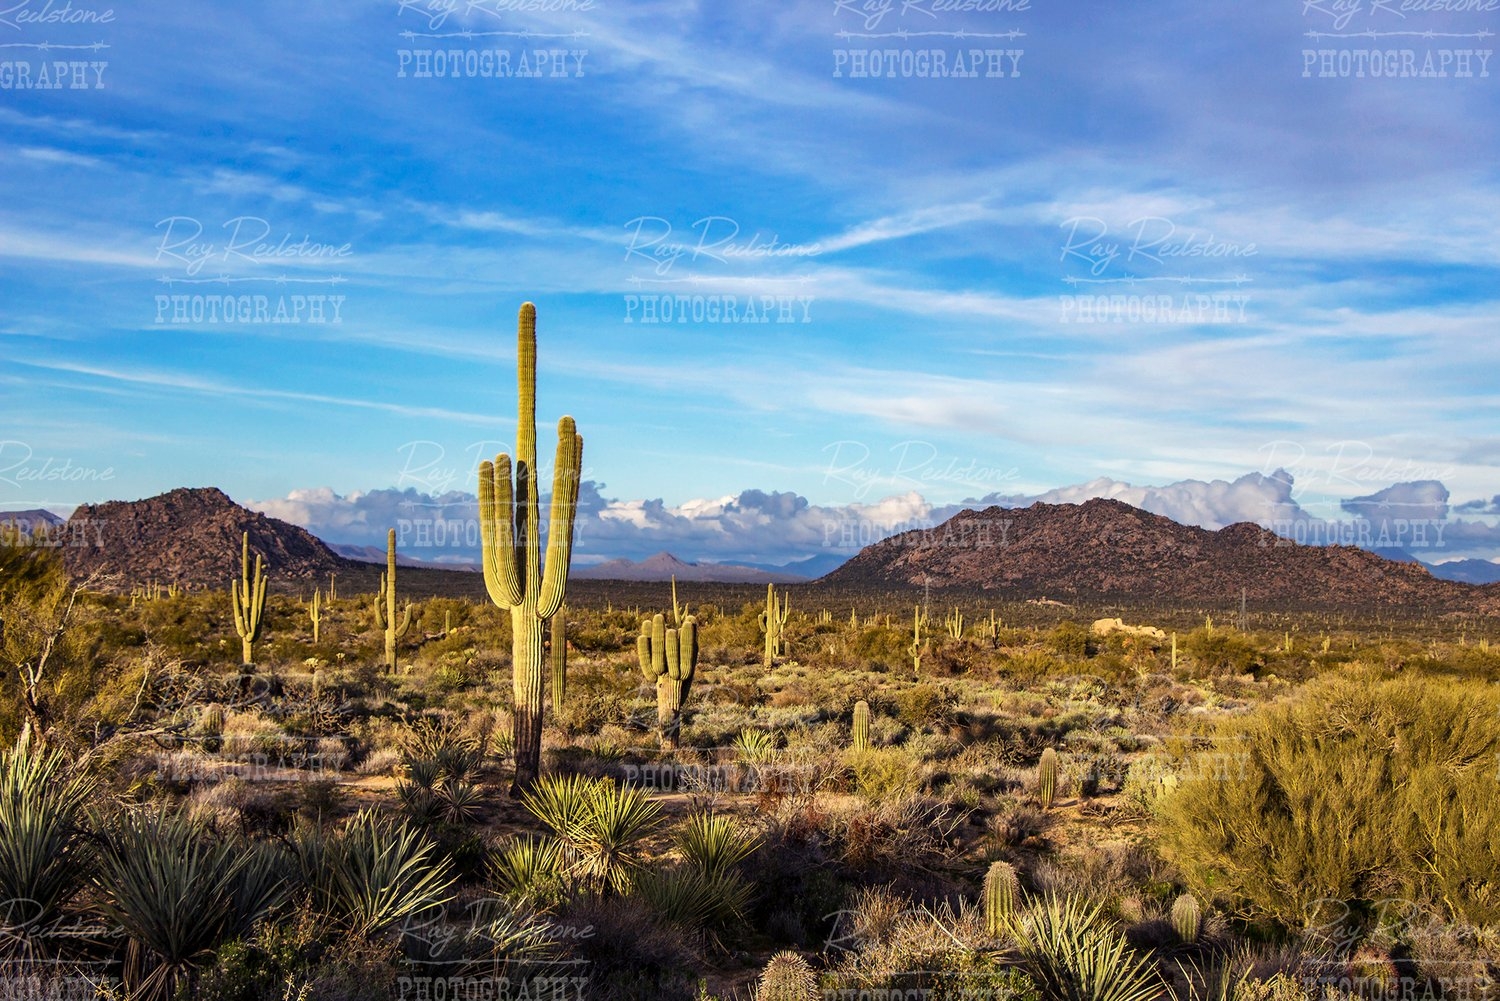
point(1355, 791)
point(1070, 639)
point(1223, 651)
point(882, 772)
point(923, 706)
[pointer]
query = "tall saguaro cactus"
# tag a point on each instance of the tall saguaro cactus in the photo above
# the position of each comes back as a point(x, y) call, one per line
point(509, 523)
point(918, 640)
point(249, 597)
point(385, 604)
point(315, 613)
point(772, 621)
point(669, 658)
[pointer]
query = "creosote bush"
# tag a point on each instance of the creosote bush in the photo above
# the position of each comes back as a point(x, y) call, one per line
point(1352, 791)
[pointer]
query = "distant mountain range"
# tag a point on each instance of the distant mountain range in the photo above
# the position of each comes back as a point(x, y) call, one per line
point(376, 554)
point(665, 566)
point(1108, 549)
point(1102, 548)
point(29, 521)
point(1468, 571)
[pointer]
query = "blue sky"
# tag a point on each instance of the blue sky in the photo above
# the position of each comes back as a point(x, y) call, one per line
point(1305, 266)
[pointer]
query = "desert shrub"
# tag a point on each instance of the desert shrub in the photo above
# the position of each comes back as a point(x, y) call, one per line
point(899, 835)
point(1069, 639)
point(49, 637)
point(1223, 651)
point(925, 705)
point(882, 772)
point(1351, 792)
point(1021, 827)
point(884, 645)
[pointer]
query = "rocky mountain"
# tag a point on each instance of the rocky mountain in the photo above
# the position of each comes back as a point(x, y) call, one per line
point(665, 566)
point(191, 537)
point(1105, 548)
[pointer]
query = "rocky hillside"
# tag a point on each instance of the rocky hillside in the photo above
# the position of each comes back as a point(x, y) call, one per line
point(1105, 548)
point(192, 537)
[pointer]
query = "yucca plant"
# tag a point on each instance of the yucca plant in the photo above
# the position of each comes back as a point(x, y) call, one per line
point(177, 893)
point(44, 854)
point(600, 824)
point(373, 873)
point(608, 842)
point(1075, 954)
point(530, 871)
point(1225, 979)
point(692, 897)
point(460, 802)
point(495, 940)
point(714, 845)
point(755, 747)
point(560, 802)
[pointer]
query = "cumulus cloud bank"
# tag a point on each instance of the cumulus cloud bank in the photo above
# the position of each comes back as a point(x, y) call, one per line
point(772, 527)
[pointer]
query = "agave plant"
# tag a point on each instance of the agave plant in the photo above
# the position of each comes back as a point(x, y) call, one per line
point(373, 873)
point(44, 856)
point(1074, 954)
point(177, 893)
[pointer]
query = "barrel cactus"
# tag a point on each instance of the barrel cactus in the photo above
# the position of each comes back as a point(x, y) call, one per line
point(788, 977)
point(861, 725)
point(1187, 917)
point(1002, 891)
